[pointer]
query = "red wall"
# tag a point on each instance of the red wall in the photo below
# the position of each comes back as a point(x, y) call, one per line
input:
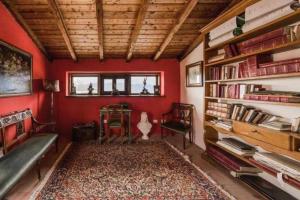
point(12, 33)
point(71, 110)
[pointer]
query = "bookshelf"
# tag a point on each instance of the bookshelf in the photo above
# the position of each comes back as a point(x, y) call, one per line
point(280, 142)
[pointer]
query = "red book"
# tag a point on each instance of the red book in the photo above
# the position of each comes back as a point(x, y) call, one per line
point(228, 51)
point(269, 170)
point(281, 62)
point(264, 37)
point(261, 72)
point(271, 70)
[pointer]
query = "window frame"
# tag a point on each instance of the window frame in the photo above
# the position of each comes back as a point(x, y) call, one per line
point(114, 76)
point(72, 75)
point(158, 81)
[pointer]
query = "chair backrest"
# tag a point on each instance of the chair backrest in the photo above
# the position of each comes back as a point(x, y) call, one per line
point(183, 112)
point(16, 119)
point(115, 112)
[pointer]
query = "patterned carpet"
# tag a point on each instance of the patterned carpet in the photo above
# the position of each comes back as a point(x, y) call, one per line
point(137, 171)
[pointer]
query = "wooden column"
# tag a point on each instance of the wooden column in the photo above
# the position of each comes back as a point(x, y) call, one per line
point(62, 26)
point(190, 6)
point(99, 14)
point(137, 28)
point(10, 6)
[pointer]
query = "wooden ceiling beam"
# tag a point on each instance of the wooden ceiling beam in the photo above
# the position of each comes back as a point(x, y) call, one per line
point(10, 6)
point(62, 27)
point(188, 9)
point(99, 14)
point(137, 28)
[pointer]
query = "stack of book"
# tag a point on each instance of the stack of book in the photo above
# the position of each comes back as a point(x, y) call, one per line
point(224, 124)
point(279, 67)
point(226, 72)
point(248, 68)
point(280, 163)
point(219, 109)
point(232, 91)
point(237, 146)
point(266, 11)
point(277, 123)
point(249, 114)
point(230, 162)
point(231, 50)
point(274, 96)
point(265, 41)
point(226, 31)
point(220, 56)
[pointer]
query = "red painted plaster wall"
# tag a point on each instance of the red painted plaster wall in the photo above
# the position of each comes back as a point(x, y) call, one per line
point(12, 33)
point(72, 110)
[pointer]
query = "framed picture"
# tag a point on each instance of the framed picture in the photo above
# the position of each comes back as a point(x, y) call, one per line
point(15, 71)
point(194, 75)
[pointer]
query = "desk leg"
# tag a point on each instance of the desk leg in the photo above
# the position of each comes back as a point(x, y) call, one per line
point(101, 128)
point(129, 128)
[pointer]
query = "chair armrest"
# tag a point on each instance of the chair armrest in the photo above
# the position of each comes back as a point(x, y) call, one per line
point(37, 126)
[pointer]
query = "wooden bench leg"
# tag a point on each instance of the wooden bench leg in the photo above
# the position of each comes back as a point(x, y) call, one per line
point(190, 137)
point(56, 145)
point(39, 170)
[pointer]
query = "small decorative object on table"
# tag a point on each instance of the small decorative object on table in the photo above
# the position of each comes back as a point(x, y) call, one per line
point(84, 131)
point(145, 91)
point(90, 89)
point(73, 88)
point(144, 126)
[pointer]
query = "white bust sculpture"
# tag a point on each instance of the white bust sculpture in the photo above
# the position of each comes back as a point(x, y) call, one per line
point(144, 126)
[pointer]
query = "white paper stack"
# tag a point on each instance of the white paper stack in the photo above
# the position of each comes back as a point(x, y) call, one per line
point(265, 11)
point(281, 163)
point(223, 32)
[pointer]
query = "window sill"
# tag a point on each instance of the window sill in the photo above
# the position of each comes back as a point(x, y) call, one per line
point(86, 96)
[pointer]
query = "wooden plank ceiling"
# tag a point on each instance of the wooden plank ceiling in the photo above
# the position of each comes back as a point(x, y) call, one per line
point(117, 28)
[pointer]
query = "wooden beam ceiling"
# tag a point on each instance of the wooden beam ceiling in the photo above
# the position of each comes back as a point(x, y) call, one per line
point(188, 9)
point(137, 28)
point(10, 6)
point(62, 27)
point(99, 15)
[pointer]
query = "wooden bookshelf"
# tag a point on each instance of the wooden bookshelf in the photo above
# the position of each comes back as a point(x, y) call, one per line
point(285, 143)
point(275, 76)
point(254, 101)
point(282, 21)
point(277, 49)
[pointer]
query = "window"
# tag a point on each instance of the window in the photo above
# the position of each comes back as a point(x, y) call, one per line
point(137, 84)
point(114, 84)
point(84, 84)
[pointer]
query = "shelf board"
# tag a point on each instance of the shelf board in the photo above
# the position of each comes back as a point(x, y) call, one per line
point(287, 75)
point(254, 101)
point(243, 158)
point(280, 22)
point(277, 49)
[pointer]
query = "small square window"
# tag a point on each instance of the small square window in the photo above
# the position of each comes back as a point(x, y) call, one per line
point(108, 85)
point(138, 82)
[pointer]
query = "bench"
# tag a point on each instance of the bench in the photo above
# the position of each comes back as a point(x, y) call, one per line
point(19, 157)
point(179, 120)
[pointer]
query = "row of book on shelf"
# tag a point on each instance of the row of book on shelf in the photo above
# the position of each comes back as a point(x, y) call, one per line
point(254, 66)
point(258, 161)
point(256, 15)
point(249, 114)
point(254, 92)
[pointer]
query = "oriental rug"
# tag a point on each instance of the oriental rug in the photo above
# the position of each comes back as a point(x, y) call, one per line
point(151, 170)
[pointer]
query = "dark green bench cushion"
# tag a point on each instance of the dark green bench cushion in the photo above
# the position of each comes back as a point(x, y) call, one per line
point(114, 123)
point(177, 127)
point(15, 163)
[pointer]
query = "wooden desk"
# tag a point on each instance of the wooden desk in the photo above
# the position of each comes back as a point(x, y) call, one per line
point(103, 111)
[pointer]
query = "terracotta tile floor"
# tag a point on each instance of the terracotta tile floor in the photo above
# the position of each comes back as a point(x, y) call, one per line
point(29, 182)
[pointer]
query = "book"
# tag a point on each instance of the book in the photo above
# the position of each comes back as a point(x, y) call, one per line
point(234, 150)
point(238, 144)
point(216, 58)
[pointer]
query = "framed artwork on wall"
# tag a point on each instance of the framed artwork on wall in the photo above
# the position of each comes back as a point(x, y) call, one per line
point(194, 74)
point(15, 71)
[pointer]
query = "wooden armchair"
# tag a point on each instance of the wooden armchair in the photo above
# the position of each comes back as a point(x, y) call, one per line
point(115, 118)
point(179, 120)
